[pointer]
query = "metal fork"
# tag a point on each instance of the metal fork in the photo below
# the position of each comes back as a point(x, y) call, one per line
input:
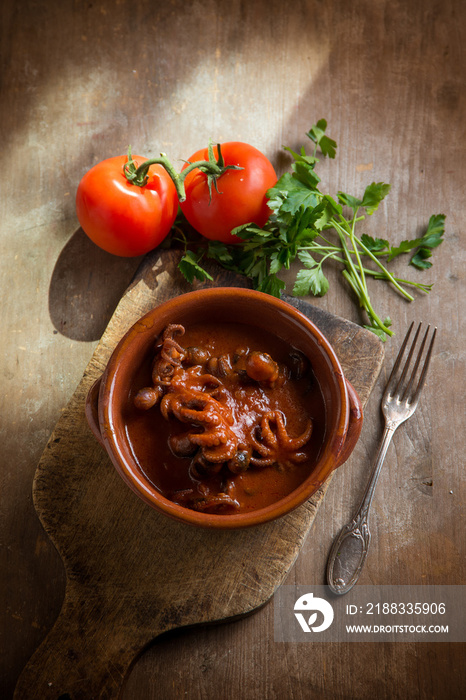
point(401, 397)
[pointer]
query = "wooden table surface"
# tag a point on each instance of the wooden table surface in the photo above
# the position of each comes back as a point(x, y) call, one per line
point(82, 80)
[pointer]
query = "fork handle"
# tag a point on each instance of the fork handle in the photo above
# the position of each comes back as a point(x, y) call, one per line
point(349, 551)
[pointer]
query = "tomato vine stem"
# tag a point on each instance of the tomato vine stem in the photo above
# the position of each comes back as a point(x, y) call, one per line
point(213, 168)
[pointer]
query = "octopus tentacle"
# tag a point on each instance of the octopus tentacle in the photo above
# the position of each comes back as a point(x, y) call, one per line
point(205, 503)
point(261, 448)
point(170, 356)
point(267, 434)
point(219, 453)
point(162, 373)
point(284, 438)
point(262, 462)
point(194, 415)
point(173, 329)
point(209, 383)
point(172, 352)
point(210, 437)
point(276, 446)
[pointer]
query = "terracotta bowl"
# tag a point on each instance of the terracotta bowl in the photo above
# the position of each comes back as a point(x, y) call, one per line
point(107, 397)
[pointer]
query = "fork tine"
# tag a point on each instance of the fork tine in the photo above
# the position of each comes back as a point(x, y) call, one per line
point(398, 389)
point(392, 381)
point(422, 378)
point(406, 392)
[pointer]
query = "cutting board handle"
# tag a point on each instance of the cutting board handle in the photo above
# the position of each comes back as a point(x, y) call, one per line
point(86, 655)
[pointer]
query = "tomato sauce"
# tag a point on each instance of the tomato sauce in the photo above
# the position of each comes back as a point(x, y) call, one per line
point(225, 418)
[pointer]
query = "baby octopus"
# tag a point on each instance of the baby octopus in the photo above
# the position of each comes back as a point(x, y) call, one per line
point(275, 446)
point(198, 390)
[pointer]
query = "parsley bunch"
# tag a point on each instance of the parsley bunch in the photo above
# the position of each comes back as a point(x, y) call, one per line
point(314, 227)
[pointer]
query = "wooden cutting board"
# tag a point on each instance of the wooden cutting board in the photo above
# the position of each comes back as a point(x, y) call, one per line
point(133, 573)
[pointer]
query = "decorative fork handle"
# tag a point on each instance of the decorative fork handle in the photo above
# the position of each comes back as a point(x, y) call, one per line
point(349, 551)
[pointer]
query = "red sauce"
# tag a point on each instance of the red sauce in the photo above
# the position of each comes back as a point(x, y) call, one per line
point(225, 418)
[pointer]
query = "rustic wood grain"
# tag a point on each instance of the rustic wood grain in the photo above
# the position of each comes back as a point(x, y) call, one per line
point(133, 573)
point(82, 79)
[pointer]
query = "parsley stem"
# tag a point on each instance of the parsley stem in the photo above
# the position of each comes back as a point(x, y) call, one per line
point(365, 302)
point(341, 228)
point(355, 248)
point(419, 285)
point(329, 255)
point(388, 274)
point(316, 247)
point(349, 262)
point(376, 274)
point(357, 283)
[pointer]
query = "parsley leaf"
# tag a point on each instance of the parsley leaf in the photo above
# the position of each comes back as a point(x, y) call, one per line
point(349, 201)
point(432, 238)
point(404, 247)
point(317, 134)
point(272, 285)
point(311, 282)
point(311, 279)
point(373, 195)
point(190, 268)
point(378, 332)
point(419, 259)
point(219, 251)
point(289, 194)
point(376, 245)
point(435, 230)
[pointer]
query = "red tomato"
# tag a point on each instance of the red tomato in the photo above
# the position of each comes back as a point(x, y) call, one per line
point(122, 218)
point(241, 196)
